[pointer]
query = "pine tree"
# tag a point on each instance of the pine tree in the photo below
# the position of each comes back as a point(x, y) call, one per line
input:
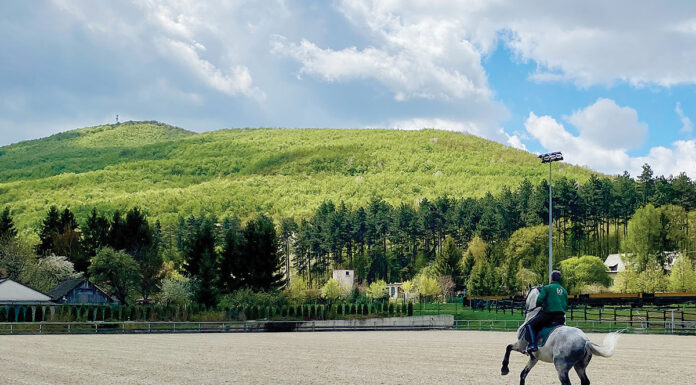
point(50, 226)
point(95, 234)
point(117, 233)
point(201, 261)
point(7, 227)
point(234, 271)
point(448, 262)
point(288, 228)
point(261, 252)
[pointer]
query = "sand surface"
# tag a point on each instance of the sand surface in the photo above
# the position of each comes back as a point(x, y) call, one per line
point(413, 357)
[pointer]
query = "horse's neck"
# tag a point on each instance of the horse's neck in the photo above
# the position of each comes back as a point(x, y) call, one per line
point(531, 315)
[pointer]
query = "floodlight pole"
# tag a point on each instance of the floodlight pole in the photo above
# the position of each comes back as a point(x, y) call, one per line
point(550, 158)
point(550, 226)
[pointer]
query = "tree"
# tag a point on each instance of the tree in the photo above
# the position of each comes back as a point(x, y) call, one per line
point(116, 270)
point(410, 289)
point(117, 238)
point(260, 251)
point(446, 284)
point(529, 246)
point(449, 262)
point(297, 291)
point(14, 256)
point(235, 272)
point(50, 226)
point(175, 291)
point(7, 227)
point(95, 234)
point(44, 274)
point(333, 290)
point(683, 277)
point(643, 241)
point(427, 286)
point(585, 270)
point(288, 228)
point(525, 277)
point(377, 290)
point(201, 261)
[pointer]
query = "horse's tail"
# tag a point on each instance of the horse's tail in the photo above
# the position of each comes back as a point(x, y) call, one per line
point(607, 347)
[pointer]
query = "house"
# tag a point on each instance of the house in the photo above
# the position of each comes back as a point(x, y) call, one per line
point(12, 292)
point(615, 264)
point(394, 289)
point(345, 277)
point(79, 291)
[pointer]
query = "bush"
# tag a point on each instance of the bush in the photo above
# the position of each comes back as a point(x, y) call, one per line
point(391, 308)
point(410, 309)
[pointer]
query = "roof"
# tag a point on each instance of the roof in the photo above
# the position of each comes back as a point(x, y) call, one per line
point(12, 291)
point(64, 288)
point(615, 263)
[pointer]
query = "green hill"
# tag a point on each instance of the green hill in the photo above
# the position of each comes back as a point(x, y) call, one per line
point(284, 172)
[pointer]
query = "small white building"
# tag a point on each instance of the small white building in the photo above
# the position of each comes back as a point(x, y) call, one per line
point(615, 264)
point(345, 277)
point(394, 290)
point(15, 292)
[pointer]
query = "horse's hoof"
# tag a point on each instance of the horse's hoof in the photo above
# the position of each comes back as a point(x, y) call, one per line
point(504, 371)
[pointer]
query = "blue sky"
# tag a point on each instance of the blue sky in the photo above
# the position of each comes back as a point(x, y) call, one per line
point(611, 84)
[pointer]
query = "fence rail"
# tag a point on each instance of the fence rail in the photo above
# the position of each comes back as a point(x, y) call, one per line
point(154, 327)
point(639, 327)
point(131, 327)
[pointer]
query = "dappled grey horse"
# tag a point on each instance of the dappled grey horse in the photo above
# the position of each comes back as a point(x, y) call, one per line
point(566, 347)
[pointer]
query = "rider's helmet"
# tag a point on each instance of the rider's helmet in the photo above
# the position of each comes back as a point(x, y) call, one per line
point(556, 276)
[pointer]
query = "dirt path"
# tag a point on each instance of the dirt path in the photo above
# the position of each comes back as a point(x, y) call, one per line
point(419, 357)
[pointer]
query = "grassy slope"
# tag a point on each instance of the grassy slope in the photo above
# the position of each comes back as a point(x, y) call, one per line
point(170, 171)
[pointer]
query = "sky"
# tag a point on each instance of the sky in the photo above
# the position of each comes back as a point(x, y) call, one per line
point(609, 84)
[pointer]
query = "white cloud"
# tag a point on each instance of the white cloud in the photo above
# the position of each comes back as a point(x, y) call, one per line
point(236, 81)
point(591, 42)
point(414, 61)
point(553, 136)
point(607, 125)
point(174, 30)
point(687, 125)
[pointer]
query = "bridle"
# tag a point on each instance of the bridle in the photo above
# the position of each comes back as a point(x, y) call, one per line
point(527, 311)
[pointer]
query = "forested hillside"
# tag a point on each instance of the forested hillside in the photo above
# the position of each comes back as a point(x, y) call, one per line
point(168, 171)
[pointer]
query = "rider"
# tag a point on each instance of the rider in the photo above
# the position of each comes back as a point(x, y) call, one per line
point(553, 299)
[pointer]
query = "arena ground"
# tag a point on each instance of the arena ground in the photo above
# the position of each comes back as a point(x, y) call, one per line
point(415, 357)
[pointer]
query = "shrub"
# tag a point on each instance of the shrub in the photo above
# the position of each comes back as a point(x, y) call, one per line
point(391, 308)
point(365, 310)
point(410, 309)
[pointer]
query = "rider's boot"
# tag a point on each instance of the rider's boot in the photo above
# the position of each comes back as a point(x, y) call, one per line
point(532, 347)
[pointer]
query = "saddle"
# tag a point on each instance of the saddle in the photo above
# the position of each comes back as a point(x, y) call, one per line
point(544, 333)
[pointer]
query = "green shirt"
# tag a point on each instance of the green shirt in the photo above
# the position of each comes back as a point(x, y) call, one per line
point(553, 298)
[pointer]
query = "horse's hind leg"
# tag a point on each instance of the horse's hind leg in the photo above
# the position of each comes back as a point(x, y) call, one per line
point(562, 367)
point(581, 367)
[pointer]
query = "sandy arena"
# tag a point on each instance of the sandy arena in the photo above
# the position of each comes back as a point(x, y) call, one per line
point(417, 357)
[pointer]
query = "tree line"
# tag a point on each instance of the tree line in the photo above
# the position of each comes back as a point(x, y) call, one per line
point(489, 245)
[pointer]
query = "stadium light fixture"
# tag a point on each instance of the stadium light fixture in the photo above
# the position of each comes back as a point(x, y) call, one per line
point(550, 158)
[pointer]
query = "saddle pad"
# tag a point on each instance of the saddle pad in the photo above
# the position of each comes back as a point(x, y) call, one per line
point(544, 334)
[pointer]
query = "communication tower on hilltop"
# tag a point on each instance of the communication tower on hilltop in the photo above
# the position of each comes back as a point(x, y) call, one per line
point(116, 118)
